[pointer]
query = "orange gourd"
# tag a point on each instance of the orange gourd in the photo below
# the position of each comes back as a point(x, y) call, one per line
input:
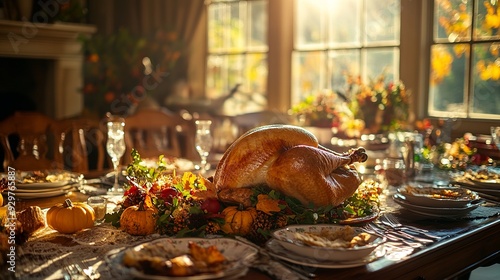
point(70, 217)
point(139, 219)
point(238, 220)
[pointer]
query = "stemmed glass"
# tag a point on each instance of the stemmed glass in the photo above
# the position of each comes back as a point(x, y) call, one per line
point(203, 142)
point(116, 148)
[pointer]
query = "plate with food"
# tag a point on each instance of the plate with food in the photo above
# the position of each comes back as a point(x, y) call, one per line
point(45, 179)
point(328, 242)
point(441, 212)
point(448, 197)
point(184, 259)
point(276, 250)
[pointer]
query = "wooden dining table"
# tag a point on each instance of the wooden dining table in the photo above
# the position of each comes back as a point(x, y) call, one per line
point(463, 244)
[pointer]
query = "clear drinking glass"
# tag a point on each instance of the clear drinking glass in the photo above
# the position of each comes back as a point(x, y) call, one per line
point(116, 148)
point(99, 204)
point(203, 142)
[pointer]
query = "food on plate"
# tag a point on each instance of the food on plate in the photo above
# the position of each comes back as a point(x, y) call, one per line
point(345, 237)
point(160, 259)
point(482, 174)
point(70, 217)
point(45, 177)
point(287, 159)
point(439, 193)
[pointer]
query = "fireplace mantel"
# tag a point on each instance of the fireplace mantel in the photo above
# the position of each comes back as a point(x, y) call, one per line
point(56, 42)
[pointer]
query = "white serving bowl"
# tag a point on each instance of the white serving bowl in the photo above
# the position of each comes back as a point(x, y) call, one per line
point(286, 238)
point(449, 197)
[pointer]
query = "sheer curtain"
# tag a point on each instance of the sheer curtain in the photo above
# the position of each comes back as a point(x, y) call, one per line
point(187, 18)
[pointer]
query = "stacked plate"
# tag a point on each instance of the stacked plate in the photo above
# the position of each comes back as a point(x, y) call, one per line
point(37, 184)
point(437, 201)
point(288, 244)
point(487, 188)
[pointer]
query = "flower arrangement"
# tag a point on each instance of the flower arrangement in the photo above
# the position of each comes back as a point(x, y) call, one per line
point(325, 109)
point(185, 205)
point(382, 106)
point(121, 68)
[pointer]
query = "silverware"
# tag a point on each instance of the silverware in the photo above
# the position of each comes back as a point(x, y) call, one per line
point(274, 268)
point(372, 228)
point(75, 272)
point(393, 223)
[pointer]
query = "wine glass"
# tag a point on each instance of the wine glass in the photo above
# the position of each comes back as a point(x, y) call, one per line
point(116, 148)
point(495, 134)
point(203, 142)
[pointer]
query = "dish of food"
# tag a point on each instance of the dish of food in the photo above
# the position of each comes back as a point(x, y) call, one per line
point(184, 258)
point(45, 179)
point(448, 197)
point(328, 242)
point(441, 212)
point(276, 250)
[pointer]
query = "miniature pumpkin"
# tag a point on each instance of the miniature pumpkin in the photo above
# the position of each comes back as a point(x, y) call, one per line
point(70, 217)
point(138, 219)
point(238, 219)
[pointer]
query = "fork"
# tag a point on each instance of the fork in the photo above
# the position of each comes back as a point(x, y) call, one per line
point(372, 228)
point(393, 221)
point(75, 272)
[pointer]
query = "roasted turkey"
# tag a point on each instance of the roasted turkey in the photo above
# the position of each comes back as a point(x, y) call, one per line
point(288, 159)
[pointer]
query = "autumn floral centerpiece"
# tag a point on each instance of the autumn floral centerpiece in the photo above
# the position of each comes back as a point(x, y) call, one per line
point(383, 106)
point(157, 201)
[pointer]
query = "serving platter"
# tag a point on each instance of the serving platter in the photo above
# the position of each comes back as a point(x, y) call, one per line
point(238, 254)
point(436, 211)
point(277, 251)
point(47, 179)
point(52, 193)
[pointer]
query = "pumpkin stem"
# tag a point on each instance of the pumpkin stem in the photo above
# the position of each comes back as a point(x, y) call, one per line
point(141, 206)
point(241, 207)
point(68, 203)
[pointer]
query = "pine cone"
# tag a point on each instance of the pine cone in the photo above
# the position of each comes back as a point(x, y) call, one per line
point(263, 225)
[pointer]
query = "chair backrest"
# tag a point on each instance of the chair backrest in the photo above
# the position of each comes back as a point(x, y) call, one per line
point(156, 132)
point(247, 121)
point(33, 138)
point(80, 144)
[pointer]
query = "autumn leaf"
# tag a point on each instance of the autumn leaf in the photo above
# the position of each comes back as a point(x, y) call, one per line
point(267, 204)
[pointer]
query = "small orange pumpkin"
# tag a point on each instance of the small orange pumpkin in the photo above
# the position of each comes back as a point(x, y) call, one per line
point(139, 219)
point(70, 217)
point(238, 219)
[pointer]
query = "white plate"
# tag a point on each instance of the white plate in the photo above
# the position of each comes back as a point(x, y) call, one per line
point(238, 253)
point(32, 195)
point(433, 211)
point(42, 190)
point(287, 239)
point(63, 178)
point(436, 196)
point(276, 250)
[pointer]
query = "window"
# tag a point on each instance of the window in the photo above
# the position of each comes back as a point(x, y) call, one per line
point(335, 38)
point(237, 54)
point(465, 63)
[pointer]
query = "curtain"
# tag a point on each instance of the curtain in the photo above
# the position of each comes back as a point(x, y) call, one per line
point(186, 17)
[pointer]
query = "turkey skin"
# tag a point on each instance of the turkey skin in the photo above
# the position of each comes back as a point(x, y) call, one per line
point(288, 159)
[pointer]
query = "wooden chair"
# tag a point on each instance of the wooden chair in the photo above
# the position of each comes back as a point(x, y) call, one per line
point(80, 145)
point(33, 138)
point(156, 132)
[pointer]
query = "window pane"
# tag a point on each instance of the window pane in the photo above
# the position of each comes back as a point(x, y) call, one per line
point(258, 24)
point(448, 79)
point(345, 23)
point(256, 72)
point(486, 79)
point(216, 27)
point(382, 21)
point(342, 63)
point(380, 61)
point(216, 76)
point(309, 31)
point(487, 20)
point(307, 77)
point(452, 20)
point(235, 30)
